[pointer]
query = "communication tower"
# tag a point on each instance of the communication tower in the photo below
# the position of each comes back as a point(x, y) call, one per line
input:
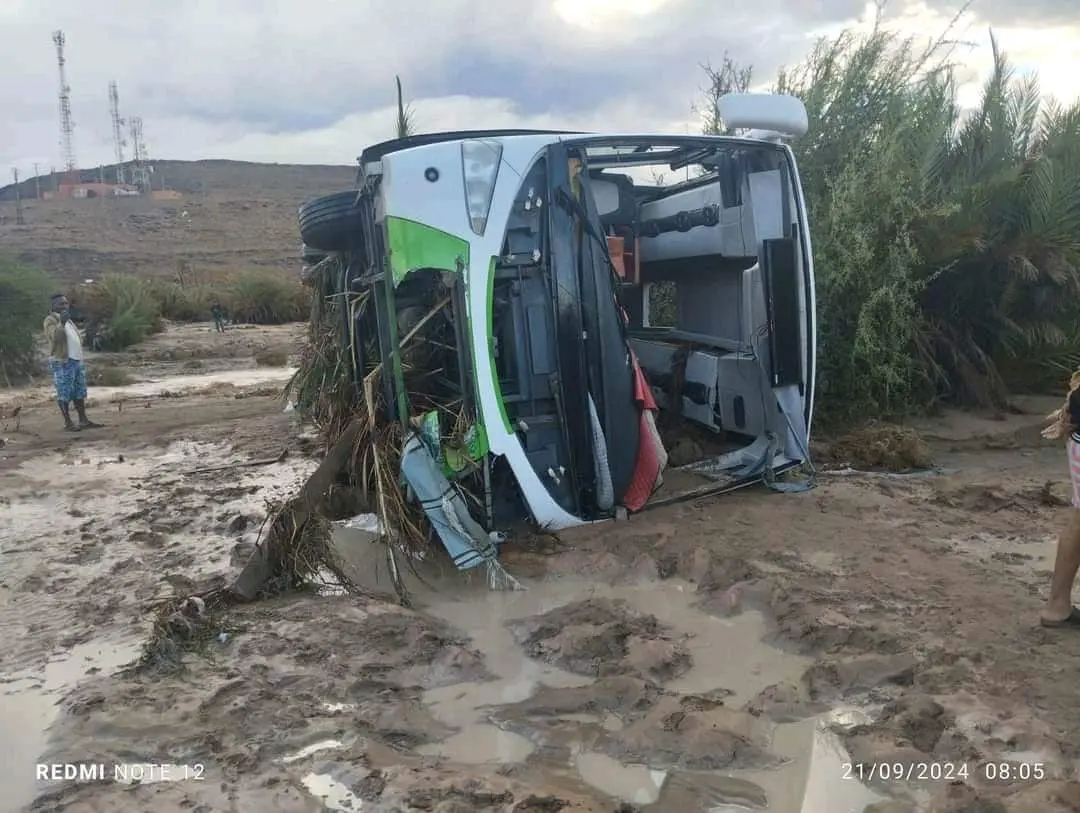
point(140, 167)
point(19, 221)
point(67, 126)
point(117, 130)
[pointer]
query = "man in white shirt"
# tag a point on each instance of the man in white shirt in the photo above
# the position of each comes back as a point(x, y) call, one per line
point(66, 364)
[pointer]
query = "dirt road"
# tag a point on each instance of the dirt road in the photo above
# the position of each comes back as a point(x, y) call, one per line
point(755, 651)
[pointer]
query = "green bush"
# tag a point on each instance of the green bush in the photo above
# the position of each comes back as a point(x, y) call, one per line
point(258, 297)
point(185, 302)
point(24, 303)
point(946, 244)
point(121, 310)
point(266, 298)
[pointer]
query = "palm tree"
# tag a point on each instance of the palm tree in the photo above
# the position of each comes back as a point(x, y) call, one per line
point(947, 243)
point(406, 125)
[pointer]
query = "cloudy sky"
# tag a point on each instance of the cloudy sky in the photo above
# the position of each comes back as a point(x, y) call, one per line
point(311, 81)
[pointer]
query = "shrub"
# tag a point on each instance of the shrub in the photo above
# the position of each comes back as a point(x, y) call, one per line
point(946, 243)
point(121, 310)
point(271, 358)
point(266, 298)
point(185, 302)
point(109, 376)
point(24, 303)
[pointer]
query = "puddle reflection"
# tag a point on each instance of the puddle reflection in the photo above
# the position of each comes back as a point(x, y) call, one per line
point(729, 658)
point(28, 707)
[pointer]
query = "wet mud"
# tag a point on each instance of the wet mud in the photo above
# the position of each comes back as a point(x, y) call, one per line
point(732, 654)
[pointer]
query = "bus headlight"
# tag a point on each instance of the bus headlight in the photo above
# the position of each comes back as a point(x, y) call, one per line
point(480, 168)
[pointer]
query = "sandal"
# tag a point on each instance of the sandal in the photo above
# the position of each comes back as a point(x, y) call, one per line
point(1071, 620)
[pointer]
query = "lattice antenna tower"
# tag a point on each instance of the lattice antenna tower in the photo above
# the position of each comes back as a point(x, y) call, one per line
point(140, 169)
point(117, 130)
point(67, 126)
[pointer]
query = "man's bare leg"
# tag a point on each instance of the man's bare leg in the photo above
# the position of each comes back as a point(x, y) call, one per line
point(66, 412)
point(1059, 607)
point(80, 409)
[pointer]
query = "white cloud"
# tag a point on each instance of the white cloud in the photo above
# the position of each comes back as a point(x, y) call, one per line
point(606, 15)
point(1053, 52)
point(312, 80)
point(343, 142)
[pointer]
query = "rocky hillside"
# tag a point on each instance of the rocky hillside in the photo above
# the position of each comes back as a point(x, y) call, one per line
point(232, 215)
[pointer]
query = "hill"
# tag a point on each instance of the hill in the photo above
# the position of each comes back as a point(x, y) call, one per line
point(232, 215)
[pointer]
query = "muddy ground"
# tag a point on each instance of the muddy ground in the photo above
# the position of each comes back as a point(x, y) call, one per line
point(755, 651)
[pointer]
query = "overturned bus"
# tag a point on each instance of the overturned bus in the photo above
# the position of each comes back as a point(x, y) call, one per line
point(577, 316)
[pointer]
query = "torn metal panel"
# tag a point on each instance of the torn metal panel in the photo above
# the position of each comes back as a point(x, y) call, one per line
point(468, 544)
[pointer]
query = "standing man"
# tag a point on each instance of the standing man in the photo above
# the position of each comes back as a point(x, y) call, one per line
point(66, 364)
point(219, 317)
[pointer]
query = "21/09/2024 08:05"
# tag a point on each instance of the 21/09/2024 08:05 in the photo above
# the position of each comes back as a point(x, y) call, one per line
point(943, 771)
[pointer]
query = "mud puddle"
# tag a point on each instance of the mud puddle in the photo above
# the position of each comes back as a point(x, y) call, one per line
point(86, 539)
point(29, 705)
point(633, 691)
point(171, 385)
point(816, 776)
point(190, 384)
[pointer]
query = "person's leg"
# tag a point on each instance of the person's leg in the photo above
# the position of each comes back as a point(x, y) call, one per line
point(65, 410)
point(78, 394)
point(63, 397)
point(1059, 607)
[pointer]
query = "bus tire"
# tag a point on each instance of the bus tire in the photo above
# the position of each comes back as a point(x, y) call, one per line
point(331, 222)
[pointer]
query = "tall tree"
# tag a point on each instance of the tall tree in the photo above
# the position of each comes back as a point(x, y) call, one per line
point(406, 125)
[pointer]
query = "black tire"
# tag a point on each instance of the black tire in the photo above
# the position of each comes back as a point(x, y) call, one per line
point(331, 223)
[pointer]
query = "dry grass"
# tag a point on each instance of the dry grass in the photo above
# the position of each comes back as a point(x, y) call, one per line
point(109, 377)
point(877, 447)
point(324, 391)
point(271, 357)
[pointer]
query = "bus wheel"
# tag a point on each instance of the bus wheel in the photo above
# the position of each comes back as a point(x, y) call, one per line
point(331, 222)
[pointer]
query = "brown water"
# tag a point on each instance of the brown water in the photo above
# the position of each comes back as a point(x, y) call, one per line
point(28, 706)
point(728, 653)
point(66, 520)
point(185, 384)
point(729, 656)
